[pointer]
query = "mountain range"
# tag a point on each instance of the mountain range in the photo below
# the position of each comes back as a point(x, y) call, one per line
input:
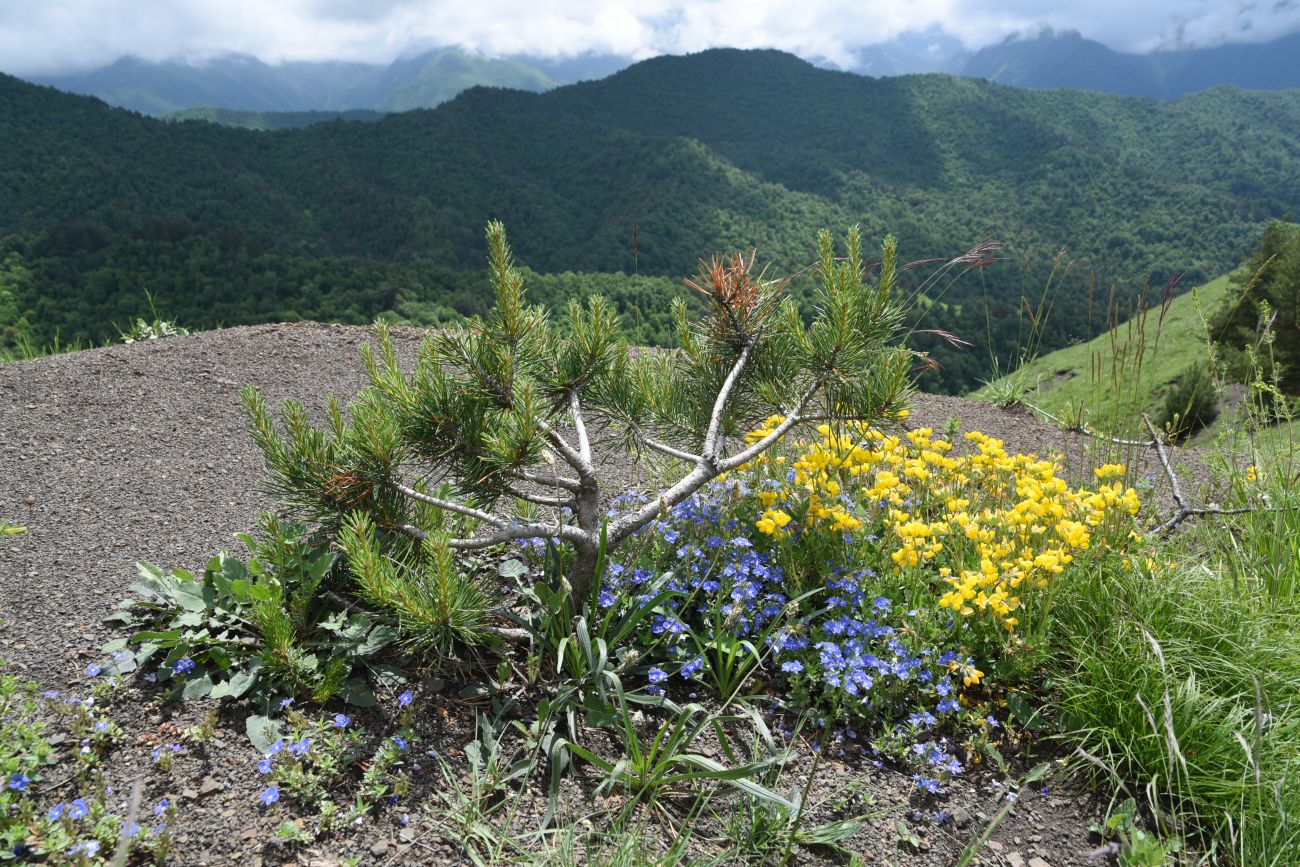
point(1048, 59)
point(243, 83)
point(640, 173)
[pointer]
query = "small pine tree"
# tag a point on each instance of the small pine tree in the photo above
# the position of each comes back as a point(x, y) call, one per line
point(501, 409)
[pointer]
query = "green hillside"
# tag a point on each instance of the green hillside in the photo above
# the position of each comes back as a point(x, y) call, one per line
point(721, 150)
point(1127, 370)
point(268, 120)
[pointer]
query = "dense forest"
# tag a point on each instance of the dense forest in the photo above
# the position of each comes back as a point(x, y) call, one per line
point(638, 174)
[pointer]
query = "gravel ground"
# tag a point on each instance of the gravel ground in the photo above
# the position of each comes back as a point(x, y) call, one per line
point(139, 452)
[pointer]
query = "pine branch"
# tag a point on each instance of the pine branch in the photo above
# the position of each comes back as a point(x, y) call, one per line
point(552, 481)
point(485, 517)
point(579, 426)
point(710, 451)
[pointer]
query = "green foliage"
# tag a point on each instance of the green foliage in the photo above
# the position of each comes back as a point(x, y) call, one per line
point(24, 755)
point(271, 627)
point(1265, 302)
point(7, 529)
point(435, 606)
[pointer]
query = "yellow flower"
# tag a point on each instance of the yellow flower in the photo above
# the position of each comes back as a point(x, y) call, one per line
point(1110, 471)
point(1251, 473)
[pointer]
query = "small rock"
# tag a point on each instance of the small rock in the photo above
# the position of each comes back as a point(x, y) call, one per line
point(406, 835)
point(961, 817)
point(1038, 862)
point(31, 501)
point(190, 794)
point(209, 786)
point(995, 845)
point(379, 848)
point(1015, 859)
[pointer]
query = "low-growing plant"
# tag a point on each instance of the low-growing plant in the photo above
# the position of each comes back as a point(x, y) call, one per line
point(257, 630)
point(313, 762)
point(154, 328)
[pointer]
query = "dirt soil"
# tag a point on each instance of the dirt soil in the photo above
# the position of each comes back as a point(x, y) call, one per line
point(128, 453)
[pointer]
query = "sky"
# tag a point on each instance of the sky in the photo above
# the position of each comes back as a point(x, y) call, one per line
point(52, 36)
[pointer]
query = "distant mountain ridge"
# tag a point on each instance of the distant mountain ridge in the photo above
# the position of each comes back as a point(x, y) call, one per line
point(243, 83)
point(1069, 60)
point(1049, 59)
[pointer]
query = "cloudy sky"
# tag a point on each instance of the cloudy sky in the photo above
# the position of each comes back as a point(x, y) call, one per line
point(46, 36)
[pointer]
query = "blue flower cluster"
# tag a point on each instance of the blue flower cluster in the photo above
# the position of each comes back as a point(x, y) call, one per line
point(853, 653)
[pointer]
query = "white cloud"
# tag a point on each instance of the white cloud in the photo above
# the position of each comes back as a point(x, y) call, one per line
point(58, 35)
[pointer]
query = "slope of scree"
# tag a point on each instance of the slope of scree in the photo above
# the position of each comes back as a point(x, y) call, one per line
point(140, 452)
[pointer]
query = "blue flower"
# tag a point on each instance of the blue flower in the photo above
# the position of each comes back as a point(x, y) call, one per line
point(135, 829)
point(275, 747)
point(161, 807)
point(18, 782)
point(948, 705)
point(401, 743)
point(50, 693)
point(606, 599)
point(270, 796)
point(184, 665)
point(89, 848)
point(693, 667)
point(56, 813)
point(405, 699)
point(302, 747)
point(285, 702)
point(992, 721)
point(264, 766)
point(78, 809)
point(657, 675)
point(101, 726)
point(793, 666)
point(342, 721)
point(926, 785)
point(93, 670)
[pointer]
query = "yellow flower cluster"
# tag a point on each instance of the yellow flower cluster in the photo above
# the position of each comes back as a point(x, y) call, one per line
point(987, 525)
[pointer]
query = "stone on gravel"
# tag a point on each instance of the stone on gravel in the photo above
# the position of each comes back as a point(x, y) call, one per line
point(1038, 862)
point(209, 786)
point(379, 848)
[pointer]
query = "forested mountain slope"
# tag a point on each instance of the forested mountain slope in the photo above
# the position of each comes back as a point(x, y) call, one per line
point(714, 151)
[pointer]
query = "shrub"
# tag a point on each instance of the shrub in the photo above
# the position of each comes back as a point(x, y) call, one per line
point(488, 401)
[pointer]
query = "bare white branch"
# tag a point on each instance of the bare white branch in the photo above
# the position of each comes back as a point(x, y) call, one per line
point(523, 531)
point(571, 456)
point(579, 426)
point(552, 481)
point(451, 506)
point(540, 499)
point(710, 450)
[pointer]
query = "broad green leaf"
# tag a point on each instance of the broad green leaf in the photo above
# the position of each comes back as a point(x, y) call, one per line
point(263, 731)
point(512, 568)
point(197, 688)
point(356, 693)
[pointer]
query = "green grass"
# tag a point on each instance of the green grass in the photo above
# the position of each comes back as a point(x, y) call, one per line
point(1126, 370)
